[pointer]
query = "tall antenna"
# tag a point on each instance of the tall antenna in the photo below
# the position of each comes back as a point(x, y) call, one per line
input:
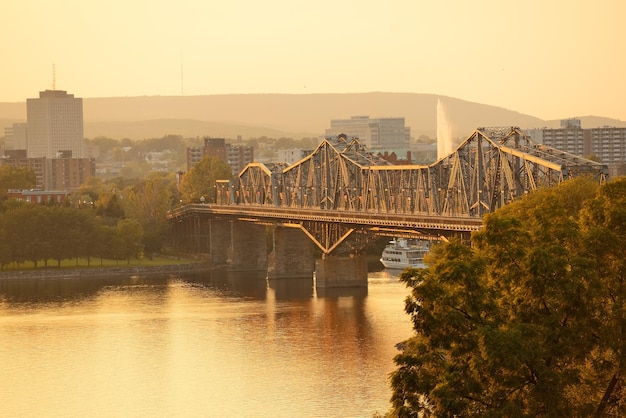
point(54, 77)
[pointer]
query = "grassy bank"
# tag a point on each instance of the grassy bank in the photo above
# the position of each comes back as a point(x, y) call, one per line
point(82, 263)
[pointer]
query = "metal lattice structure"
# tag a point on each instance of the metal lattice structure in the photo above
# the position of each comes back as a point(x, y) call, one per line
point(491, 168)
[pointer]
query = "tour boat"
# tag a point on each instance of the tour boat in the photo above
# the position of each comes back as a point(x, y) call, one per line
point(401, 253)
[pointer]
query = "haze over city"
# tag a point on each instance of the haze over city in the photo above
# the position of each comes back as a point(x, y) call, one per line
point(552, 59)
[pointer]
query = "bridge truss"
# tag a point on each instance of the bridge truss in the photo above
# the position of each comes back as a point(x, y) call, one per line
point(491, 168)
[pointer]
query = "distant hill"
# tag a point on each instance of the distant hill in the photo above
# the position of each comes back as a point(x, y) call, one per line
point(276, 115)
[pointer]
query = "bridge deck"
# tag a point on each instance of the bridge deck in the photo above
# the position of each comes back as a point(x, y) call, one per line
point(260, 213)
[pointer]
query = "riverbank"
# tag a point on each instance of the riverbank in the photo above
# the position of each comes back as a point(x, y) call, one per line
point(104, 271)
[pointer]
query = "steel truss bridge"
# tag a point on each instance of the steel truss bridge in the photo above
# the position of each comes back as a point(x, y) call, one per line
point(342, 194)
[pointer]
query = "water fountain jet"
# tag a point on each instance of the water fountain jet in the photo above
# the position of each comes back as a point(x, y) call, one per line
point(444, 131)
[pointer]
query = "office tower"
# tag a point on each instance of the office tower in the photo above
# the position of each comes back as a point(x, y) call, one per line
point(55, 125)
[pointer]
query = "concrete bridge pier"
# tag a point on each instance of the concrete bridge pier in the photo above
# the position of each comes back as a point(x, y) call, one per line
point(292, 255)
point(335, 271)
point(220, 241)
point(248, 247)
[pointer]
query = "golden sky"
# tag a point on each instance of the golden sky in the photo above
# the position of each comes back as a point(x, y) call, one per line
point(547, 58)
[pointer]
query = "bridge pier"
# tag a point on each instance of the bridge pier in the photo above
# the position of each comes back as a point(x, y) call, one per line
point(220, 241)
point(248, 247)
point(334, 271)
point(291, 256)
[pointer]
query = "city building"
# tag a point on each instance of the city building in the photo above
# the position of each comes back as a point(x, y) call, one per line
point(38, 165)
point(69, 173)
point(606, 144)
point(54, 125)
point(51, 143)
point(237, 156)
point(38, 196)
point(380, 134)
point(56, 173)
point(15, 137)
point(291, 156)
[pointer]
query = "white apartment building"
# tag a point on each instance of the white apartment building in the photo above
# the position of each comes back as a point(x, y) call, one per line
point(380, 134)
point(55, 125)
point(291, 156)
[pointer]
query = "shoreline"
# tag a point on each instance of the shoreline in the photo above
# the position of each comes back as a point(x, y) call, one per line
point(52, 273)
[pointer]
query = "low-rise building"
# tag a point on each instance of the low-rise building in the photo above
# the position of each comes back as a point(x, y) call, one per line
point(238, 156)
point(56, 173)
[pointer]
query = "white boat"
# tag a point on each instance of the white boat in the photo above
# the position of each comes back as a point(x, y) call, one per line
point(401, 253)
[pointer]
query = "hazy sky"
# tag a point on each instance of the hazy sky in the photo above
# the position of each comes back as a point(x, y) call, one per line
point(548, 58)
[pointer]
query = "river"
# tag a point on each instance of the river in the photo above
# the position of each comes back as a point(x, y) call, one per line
point(214, 344)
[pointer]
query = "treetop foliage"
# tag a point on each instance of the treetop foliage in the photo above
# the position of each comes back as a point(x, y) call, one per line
point(16, 178)
point(530, 321)
point(200, 180)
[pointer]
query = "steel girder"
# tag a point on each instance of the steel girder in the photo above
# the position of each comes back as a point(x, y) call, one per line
point(491, 168)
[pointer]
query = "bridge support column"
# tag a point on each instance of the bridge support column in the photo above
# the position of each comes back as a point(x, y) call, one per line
point(292, 255)
point(341, 271)
point(248, 249)
point(220, 241)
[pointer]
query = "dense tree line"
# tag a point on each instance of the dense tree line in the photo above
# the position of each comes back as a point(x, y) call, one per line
point(115, 219)
point(528, 321)
point(43, 232)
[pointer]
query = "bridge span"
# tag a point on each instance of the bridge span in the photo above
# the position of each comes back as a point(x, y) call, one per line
point(342, 195)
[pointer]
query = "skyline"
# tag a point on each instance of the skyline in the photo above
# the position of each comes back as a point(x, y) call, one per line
point(554, 60)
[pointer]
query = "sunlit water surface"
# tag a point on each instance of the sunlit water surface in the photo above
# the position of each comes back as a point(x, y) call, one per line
point(209, 345)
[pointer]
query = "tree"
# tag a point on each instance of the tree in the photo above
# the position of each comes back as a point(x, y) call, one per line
point(604, 222)
point(24, 224)
point(200, 180)
point(5, 247)
point(528, 321)
point(16, 178)
point(130, 236)
point(148, 203)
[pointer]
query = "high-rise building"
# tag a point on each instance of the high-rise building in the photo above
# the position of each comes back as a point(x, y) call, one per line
point(55, 125)
point(607, 144)
point(380, 134)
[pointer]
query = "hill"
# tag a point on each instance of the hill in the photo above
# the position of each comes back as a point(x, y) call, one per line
point(276, 115)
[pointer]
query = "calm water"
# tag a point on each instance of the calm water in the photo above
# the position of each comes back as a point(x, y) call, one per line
point(211, 345)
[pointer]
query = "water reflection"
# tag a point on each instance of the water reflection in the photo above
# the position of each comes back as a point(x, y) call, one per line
point(291, 288)
point(250, 284)
point(210, 344)
point(60, 290)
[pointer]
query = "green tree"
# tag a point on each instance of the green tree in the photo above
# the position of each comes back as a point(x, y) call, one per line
point(5, 247)
point(105, 145)
point(16, 178)
point(108, 206)
point(200, 180)
point(24, 224)
point(148, 203)
point(528, 321)
point(604, 223)
point(130, 238)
